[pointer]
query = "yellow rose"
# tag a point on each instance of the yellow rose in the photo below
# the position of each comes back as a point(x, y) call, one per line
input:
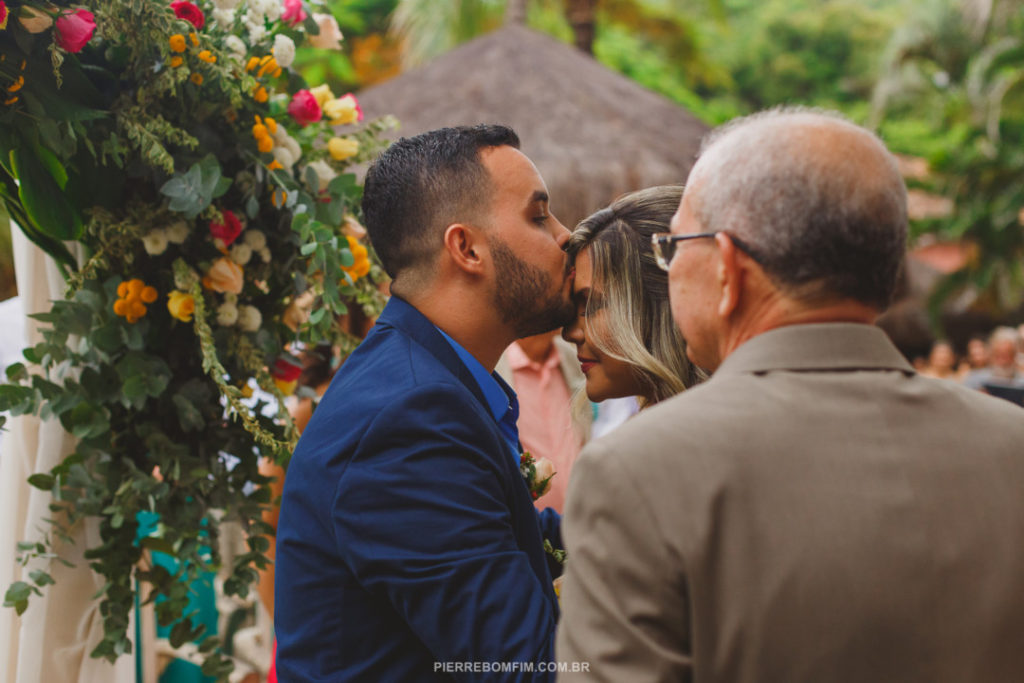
point(181, 305)
point(224, 276)
point(342, 111)
point(322, 93)
point(342, 148)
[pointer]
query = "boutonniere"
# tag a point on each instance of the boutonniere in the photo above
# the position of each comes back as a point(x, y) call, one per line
point(537, 472)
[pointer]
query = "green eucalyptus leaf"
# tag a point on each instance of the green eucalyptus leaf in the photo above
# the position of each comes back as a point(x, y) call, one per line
point(41, 578)
point(188, 415)
point(16, 372)
point(43, 482)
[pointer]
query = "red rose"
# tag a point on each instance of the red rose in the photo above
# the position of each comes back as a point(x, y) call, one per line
point(227, 229)
point(286, 369)
point(3, 14)
point(189, 12)
point(304, 108)
point(74, 29)
point(293, 13)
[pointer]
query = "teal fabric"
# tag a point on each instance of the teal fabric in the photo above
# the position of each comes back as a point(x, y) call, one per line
point(202, 601)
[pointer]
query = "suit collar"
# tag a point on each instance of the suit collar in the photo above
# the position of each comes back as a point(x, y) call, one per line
point(830, 346)
point(401, 315)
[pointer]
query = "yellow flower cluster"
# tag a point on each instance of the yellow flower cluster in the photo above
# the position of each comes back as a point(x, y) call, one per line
point(178, 44)
point(263, 131)
point(134, 295)
point(266, 65)
point(361, 266)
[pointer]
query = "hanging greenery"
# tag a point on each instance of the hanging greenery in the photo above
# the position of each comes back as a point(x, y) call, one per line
point(207, 188)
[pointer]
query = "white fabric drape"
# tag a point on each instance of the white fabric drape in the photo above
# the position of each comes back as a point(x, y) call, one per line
point(52, 640)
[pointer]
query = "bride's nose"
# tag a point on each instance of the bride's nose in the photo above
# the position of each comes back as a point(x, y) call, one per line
point(572, 332)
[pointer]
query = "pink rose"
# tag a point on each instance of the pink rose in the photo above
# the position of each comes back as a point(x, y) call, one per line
point(189, 12)
point(304, 108)
point(3, 14)
point(75, 28)
point(293, 13)
point(227, 229)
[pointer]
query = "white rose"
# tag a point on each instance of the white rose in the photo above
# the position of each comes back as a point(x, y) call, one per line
point(285, 157)
point(324, 174)
point(330, 36)
point(545, 469)
point(224, 18)
point(265, 254)
point(249, 318)
point(155, 242)
point(257, 31)
point(237, 46)
point(227, 314)
point(284, 50)
point(271, 9)
point(177, 232)
point(241, 253)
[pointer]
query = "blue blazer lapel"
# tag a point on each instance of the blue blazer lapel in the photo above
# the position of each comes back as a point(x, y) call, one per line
point(404, 317)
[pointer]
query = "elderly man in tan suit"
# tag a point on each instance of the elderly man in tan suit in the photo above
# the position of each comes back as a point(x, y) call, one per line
point(817, 511)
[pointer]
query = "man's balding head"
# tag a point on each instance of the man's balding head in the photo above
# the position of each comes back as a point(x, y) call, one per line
point(818, 199)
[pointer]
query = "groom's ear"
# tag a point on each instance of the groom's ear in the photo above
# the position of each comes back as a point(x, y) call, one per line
point(465, 247)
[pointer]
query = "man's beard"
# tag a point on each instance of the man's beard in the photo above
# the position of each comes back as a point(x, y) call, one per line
point(524, 297)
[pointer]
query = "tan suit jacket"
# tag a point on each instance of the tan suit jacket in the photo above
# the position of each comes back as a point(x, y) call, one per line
point(815, 512)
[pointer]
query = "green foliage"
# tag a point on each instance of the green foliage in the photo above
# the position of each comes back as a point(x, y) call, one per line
point(164, 329)
point(954, 91)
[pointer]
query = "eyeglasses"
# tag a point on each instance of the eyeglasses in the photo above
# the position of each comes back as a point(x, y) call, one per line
point(664, 246)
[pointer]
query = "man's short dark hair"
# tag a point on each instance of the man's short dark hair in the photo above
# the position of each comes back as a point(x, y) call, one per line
point(420, 185)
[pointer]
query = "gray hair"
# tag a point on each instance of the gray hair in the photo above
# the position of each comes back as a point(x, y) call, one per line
point(1003, 334)
point(819, 200)
point(641, 331)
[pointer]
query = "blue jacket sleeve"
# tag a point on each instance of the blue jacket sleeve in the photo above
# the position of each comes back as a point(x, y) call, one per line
point(422, 517)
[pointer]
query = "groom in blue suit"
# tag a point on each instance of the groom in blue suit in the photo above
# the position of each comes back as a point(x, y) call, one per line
point(408, 545)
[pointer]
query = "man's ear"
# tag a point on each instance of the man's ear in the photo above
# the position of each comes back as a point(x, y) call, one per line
point(465, 247)
point(730, 274)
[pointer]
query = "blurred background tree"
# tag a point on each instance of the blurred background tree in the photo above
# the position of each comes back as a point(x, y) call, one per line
point(954, 80)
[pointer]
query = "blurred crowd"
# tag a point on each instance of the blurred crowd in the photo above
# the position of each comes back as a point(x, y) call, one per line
point(992, 363)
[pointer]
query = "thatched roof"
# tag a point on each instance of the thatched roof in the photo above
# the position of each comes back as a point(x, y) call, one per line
point(593, 133)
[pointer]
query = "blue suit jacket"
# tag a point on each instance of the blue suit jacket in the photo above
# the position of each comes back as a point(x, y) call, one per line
point(407, 536)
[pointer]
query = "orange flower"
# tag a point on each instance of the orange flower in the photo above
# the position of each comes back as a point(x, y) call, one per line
point(260, 94)
point(361, 266)
point(196, 78)
point(177, 42)
point(134, 295)
point(208, 57)
point(176, 61)
point(224, 276)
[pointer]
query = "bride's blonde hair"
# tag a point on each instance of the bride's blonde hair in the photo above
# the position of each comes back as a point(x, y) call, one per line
point(641, 331)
